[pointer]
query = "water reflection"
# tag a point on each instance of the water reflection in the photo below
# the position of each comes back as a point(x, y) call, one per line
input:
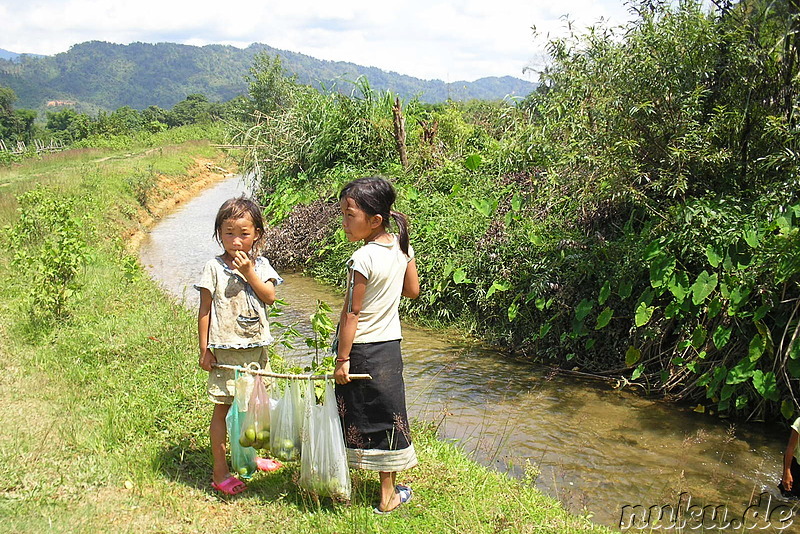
point(596, 448)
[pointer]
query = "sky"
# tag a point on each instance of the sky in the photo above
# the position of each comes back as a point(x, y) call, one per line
point(429, 39)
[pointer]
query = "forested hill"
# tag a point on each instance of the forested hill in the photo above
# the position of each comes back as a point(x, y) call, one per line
point(139, 75)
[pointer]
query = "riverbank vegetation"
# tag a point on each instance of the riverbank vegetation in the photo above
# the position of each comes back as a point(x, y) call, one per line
point(636, 218)
point(104, 417)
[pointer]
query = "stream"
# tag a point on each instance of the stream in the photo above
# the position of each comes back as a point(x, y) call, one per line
point(593, 447)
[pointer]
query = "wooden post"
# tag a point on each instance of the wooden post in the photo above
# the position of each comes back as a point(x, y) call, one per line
point(400, 132)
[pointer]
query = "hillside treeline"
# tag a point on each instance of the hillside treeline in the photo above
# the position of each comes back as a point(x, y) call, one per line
point(105, 76)
point(637, 217)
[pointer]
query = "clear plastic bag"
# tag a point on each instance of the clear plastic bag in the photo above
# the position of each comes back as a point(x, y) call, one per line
point(256, 426)
point(323, 464)
point(287, 422)
point(243, 459)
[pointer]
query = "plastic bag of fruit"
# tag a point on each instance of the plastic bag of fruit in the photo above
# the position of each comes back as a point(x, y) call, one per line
point(243, 458)
point(256, 426)
point(323, 464)
point(287, 421)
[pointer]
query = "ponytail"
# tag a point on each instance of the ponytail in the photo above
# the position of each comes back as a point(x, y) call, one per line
point(402, 226)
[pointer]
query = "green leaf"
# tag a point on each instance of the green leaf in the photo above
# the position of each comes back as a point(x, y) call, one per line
point(739, 296)
point(703, 287)
point(741, 402)
point(544, 329)
point(516, 202)
point(473, 162)
point(672, 310)
point(604, 318)
point(793, 367)
point(794, 350)
point(661, 270)
point(632, 355)
point(637, 372)
point(704, 379)
point(766, 384)
point(699, 336)
point(643, 314)
point(727, 391)
point(653, 250)
point(570, 356)
point(751, 238)
point(720, 373)
point(583, 309)
point(484, 206)
point(741, 371)
point(605, 291)
point(460, 277)
point(787, 409)
point(721, 336)
point(713, 255)
point(512, 311)
point(678, 285)
point(497, 286)
point(589, 344)
point(625, 288)
point(766, 335)
point(714, 307)
point(761, 312)
point(756, 348)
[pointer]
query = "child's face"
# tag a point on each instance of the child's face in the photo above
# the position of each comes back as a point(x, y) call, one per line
point(238, 234)
point(357, 224)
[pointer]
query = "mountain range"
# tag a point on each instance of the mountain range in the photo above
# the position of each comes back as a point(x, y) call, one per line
point(105, 76)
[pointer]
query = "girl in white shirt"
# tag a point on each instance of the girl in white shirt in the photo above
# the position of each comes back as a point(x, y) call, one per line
point(235, 289)
point(373, 412)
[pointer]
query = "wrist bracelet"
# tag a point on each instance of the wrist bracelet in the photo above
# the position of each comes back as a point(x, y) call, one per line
point(342, 360)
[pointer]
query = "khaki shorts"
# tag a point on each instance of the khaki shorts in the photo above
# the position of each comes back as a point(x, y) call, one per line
point(221, 385)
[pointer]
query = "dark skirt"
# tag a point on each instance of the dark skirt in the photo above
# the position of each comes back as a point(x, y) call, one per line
point(373, 412)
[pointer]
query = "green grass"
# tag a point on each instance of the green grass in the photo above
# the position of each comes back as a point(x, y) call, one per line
point(104, 417)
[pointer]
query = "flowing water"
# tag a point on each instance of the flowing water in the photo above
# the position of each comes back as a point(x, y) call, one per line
point(595, 448)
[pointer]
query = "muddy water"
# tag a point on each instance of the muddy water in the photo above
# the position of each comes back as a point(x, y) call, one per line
point(593, 447)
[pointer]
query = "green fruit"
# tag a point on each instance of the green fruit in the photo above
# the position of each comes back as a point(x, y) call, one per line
point(242, 471)
point(262, 436)
point(244, 442)
point(288, 444)
point(250, 433)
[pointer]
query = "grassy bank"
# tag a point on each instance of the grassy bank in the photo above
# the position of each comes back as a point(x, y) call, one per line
point(104, 417)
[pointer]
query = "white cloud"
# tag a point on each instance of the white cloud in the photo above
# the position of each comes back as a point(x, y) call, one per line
point(450, 40)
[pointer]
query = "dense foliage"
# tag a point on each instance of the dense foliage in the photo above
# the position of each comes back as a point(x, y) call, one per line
point(109, 76)
point(636, 217)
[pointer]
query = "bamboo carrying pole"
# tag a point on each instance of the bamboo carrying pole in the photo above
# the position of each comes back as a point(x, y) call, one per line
point(256, 370)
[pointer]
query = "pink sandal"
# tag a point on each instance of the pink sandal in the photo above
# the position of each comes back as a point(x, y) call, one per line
point(230, 486)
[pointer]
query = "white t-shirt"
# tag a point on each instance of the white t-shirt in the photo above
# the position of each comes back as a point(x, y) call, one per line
point(238, 316)
point(796, 426)
point(384, 267)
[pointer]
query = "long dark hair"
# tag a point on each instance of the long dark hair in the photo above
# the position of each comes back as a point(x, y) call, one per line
point(375, 196)
point(236, 208)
